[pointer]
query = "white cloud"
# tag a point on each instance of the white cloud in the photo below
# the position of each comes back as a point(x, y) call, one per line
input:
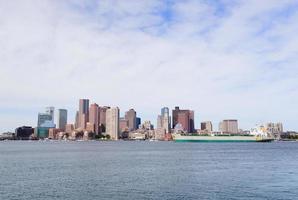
point(148, 54)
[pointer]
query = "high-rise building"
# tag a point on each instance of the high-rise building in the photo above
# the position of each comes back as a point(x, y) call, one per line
point(102, 118)
point(159, 122)
point(139, 121)
point(164, 120)
point(185, 118)
point(77, 121)
point(94, 117)
point(206, 126)
point(191, 121)
point(131, 116)
point(229, 126)
point(50, 110)
point(165, 111)
point(46, 119)
point(112, 123)
point(45, 122)
point(62, 119)
point(83, 113)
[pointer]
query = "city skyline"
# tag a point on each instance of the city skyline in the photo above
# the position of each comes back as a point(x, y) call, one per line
point(122, 114)
point(96, 120)
point(224, 60)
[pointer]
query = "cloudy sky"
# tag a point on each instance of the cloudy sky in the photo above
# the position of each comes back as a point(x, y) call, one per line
point(222, 58)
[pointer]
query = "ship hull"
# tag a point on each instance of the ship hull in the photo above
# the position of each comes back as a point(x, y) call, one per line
point(179, 138)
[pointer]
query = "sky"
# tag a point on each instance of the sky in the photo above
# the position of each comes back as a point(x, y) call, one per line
point(222, 58)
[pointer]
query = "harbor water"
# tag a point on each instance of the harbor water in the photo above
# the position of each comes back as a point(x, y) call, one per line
point(49, 170)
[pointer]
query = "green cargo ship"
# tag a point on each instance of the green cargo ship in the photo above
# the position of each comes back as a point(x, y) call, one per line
point(221, 138)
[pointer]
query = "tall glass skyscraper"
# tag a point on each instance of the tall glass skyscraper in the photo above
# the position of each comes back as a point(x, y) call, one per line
point(83, 113)
point(62, 118)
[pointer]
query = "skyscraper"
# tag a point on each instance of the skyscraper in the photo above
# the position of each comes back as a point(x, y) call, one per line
point(131, 117)
point(159, 122)
point(112, 123)
point(45, 122)
point(77, 121)
point(229, 126)
point(94, 117)
point(185, 118)
point(62, 119)
point(164, 120)
point(102, 118)
point(46, 119)
point(165, 111)
point(83, 113)
point(139, 121)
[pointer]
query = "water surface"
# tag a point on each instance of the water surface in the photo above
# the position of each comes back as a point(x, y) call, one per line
point(147, 170)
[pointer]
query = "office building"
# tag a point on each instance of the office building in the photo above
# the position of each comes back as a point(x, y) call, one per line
point(24, 132)
point(83, 113)
point(46, 119)
point(164, 120)
point(185, 118)
point(131, 116)
point(102, 118)
point(62, 119)
point(94, 118)
point(229, 126)
point(123, 125)
point(77, 121)
point(112, 123)
point(139, 121)
point(159, 121)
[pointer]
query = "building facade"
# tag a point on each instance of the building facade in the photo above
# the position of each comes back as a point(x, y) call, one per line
point(229, 126)
point(83, 113)
point(123, 125)
point(131, 116)
point(112, 123)
point(164, 120)
point(206, 126)
point(62, 119)
point(94, 118)
point(139, 121)
point(46, 119)
point(102, 118)
point(24, 132)
point(185, 118)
